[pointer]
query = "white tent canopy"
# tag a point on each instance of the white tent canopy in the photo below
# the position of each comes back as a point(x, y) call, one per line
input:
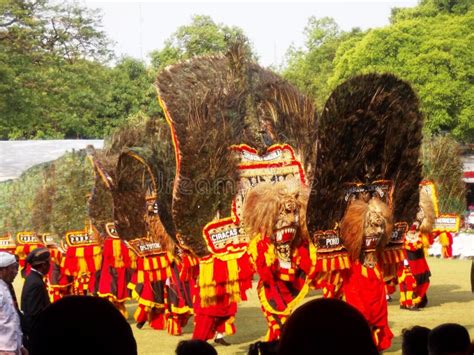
point(18, 156)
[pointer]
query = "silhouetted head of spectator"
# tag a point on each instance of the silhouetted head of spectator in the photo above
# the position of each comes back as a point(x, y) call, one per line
point(326, 326)
point(195, 347)
point(449, 339)
point(82, 325)
point(415, 341)
point(264, 348)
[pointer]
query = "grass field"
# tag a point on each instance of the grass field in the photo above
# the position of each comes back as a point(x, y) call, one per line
point(450, 300)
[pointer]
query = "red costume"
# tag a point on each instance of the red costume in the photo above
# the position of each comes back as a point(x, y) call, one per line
point(116, 273)
point(446, 241)
point(26, 242)
point(148, 289)
point(364, 289)
point(59, 284)
point(210, 320)
point(419, 267)
point(407, 282)
point(179, 300)
point(282, 285)
point(82, 262)
point(221, 284)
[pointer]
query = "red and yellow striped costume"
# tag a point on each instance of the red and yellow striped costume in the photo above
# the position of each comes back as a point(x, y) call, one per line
point(279, 289)
point(148, 288)
point(179, 300)
point(446, 241)
point(59, 284)
point(22, 251)
point(407, 284)
point(83, 263)
point(419, 267)
point(116, 273)
point(223, 281)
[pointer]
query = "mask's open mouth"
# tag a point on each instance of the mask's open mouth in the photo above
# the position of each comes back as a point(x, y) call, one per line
point(371, 242)
point(284, 235)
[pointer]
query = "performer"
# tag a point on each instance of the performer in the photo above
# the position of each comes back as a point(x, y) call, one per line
point(415, 243)
point(366, 178)
point(116, 271)
point(365, 228)
point(221, 284)
point(427, 213)
point(59, 285)
point(26, 242)
point(82, 261)
point(214, 321)
point(272, 213)
point(446, 241)
point(148, 289)
point(414, 249)
point(407, 282)
point(179, 300)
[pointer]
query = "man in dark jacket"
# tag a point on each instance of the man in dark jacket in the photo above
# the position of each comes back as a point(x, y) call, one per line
point(34, 296)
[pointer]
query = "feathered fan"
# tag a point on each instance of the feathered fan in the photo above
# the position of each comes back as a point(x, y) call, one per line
point(212, 103)
point(370, 130)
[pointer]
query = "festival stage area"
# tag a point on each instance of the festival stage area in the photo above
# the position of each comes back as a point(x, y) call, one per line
point(450, 300)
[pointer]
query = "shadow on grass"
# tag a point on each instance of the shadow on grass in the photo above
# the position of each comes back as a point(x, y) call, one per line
point(442, 294)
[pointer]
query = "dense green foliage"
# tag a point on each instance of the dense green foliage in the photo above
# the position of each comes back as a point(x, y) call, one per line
point(311, 67)
point(203, 36)
point(55, 75)
point(430, 46)
point(51, 72)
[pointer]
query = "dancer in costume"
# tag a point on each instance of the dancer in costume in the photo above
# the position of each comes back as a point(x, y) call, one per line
point(367, 177)
point(82, 261)
point(273, 213)
point(154, 261)
point(258, 122)
point(148, 289)
point(118, 259)
point(407, 282)
point(414, 249)
point(26, 242)
point(179, 298)
point(416, 241)
point(366, 227)
point(427, 213)
point(446, 241)
point(59, 284)
point(116, 272)
point(221, 284)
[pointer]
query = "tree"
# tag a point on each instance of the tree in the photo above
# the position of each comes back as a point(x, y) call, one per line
point(433, 53)
point(130, 91)
point(430, 8)
point(203, 36)
point(51, 61)
point(310, 67)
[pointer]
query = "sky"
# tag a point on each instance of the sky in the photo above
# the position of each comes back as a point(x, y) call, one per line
point(137, 28)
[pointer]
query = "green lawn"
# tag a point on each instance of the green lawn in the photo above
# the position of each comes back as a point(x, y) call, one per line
point(450, 300)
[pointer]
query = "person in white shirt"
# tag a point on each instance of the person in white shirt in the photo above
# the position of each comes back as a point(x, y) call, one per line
point(10, 329)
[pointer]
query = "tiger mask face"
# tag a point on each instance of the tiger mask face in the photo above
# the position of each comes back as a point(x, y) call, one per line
point(276, 211)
